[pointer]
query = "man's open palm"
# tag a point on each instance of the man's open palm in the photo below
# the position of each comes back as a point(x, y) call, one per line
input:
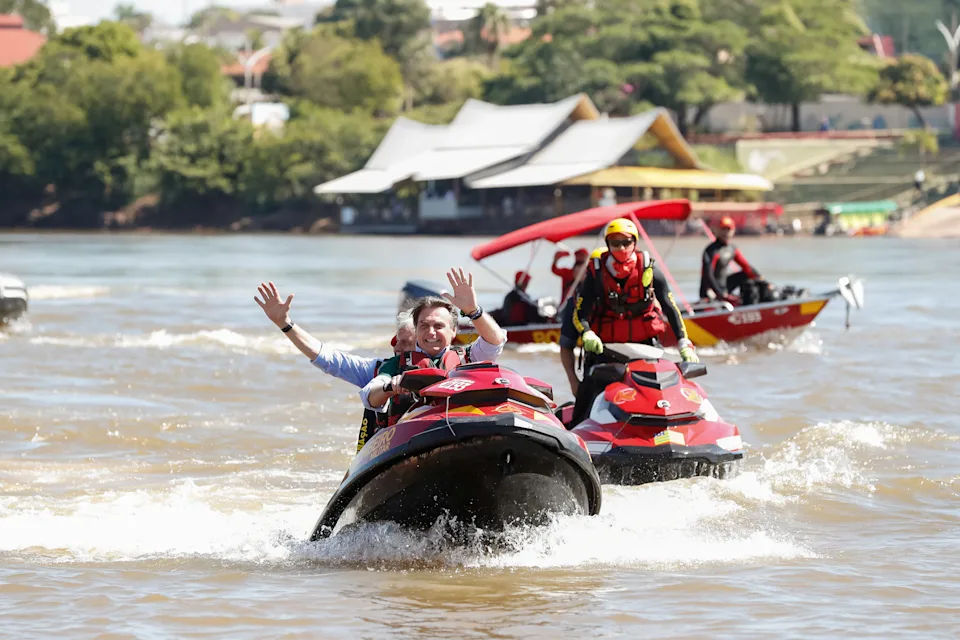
point(276, 309)
point(463, 297)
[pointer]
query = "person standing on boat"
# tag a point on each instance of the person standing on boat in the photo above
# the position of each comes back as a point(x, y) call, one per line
point(624, 298)
point(568, 275)
point(716, 282)
point(435, 322)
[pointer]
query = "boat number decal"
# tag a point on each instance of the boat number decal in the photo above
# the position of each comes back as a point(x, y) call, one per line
point(546, 336)
point(624, 395)
point(691, 395)
point(379, 444)
point(663, 404)
point(745, 317)
point(455, 384)
point(502, 381)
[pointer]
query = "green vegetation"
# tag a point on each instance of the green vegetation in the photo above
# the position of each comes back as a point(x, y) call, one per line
point(100, 119)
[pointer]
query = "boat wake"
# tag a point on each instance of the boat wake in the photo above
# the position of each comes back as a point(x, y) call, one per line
point(757, 517)
point(217, 339)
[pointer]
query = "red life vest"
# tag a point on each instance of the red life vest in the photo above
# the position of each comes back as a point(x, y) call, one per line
point(627, 312)
point(452, 358)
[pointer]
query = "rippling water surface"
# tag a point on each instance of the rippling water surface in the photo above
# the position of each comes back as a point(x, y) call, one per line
point(164, 453)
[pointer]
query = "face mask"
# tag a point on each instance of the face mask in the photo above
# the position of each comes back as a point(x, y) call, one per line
point(622, 255)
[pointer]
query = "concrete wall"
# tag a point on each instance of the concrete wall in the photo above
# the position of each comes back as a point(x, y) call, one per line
point(844, 112)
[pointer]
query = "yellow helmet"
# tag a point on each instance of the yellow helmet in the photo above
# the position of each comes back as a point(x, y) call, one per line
point(599, 251)
point(624, 226)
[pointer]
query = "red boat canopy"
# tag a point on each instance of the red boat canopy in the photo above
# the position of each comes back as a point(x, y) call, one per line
point(574, 224)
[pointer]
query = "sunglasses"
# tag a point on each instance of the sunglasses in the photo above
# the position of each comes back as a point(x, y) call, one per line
point(616, 244)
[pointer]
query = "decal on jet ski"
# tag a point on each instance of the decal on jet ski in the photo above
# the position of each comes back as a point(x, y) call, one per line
point(506, 407)
point(379, 444)
point(663, 404)
point(691, 395)
point(455, 384)
point(669, 437)
point(625, 395)
point(730, 443)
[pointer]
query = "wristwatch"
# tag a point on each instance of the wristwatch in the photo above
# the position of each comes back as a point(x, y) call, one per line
point(287, 328)
point(476, 314)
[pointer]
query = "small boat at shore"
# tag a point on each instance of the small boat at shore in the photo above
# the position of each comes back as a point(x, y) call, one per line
point(13, 298)
point(707, 323)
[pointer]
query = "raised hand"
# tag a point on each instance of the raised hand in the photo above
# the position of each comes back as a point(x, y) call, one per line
point(464, 297)
point(278, 311)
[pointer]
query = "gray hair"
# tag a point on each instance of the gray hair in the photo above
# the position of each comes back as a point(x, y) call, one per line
point(434, 302)
point(405, 320)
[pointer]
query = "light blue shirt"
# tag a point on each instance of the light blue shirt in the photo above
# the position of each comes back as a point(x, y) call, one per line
point(356, 370)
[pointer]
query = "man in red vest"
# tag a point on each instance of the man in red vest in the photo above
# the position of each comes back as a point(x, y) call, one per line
point(624, 298)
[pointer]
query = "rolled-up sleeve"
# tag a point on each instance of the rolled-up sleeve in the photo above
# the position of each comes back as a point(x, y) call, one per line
point(481, 350)
point(376, 383)
point(356, 370)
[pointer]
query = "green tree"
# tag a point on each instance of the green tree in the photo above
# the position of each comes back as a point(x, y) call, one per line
point(200, 156)
point(202, 83)
point(486, 31)
point(393, 22)
point(209, 15)
point(805, 48)
point(912, 81)
point(36, 15)
point(347, 74)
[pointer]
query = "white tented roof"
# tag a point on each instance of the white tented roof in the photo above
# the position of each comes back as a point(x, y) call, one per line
point(481, 136)
point(587, 146)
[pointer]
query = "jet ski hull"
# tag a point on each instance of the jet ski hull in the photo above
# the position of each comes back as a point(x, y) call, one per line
point(488, 471)
point(640, 465)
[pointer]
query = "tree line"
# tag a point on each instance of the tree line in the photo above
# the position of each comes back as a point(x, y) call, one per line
point(99, 118)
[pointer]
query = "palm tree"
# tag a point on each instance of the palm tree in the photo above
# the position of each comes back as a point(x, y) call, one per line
point(487, 30)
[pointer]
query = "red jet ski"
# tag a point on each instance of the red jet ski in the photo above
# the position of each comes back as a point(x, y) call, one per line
point(481, 444)
point(651, 423)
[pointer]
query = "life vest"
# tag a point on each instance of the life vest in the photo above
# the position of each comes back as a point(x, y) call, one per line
point(452, 358)
point(372, 420)
point(627, 310)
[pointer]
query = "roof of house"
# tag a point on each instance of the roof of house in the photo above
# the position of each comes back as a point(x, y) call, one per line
point(17, 45)
point(491, 146)
point(236, 68)
point(481, 135)
point(587, 146)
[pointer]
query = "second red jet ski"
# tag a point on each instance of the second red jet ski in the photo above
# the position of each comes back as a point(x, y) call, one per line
point(652, 423)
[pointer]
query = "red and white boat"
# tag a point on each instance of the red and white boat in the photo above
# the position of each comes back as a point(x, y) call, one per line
point(707, 324)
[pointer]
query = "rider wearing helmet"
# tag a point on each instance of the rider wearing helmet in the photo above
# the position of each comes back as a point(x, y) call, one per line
point(624, 298)
point(716, 281)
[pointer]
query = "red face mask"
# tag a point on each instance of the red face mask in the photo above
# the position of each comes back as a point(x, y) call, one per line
point(624, 260)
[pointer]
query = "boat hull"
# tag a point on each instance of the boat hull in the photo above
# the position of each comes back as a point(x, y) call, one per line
point(705, 329)
point(13, 298)
point(488, 471)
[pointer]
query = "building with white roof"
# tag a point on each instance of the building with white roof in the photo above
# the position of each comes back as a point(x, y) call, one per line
point(548, 158)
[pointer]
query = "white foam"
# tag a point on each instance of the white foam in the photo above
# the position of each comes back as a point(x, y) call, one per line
point(163, 339)
point(64, 292)
point(680, 523)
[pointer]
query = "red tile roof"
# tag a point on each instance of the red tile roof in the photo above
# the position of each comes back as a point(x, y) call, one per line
point(17, 45)
point(236, 68)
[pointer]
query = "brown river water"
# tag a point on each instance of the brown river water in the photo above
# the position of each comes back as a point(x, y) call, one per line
point(164, 453)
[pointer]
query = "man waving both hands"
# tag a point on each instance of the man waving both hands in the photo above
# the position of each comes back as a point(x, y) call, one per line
point(435, 322)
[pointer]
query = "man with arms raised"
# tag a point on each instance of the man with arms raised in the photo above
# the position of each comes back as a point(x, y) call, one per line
point(435, 324)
